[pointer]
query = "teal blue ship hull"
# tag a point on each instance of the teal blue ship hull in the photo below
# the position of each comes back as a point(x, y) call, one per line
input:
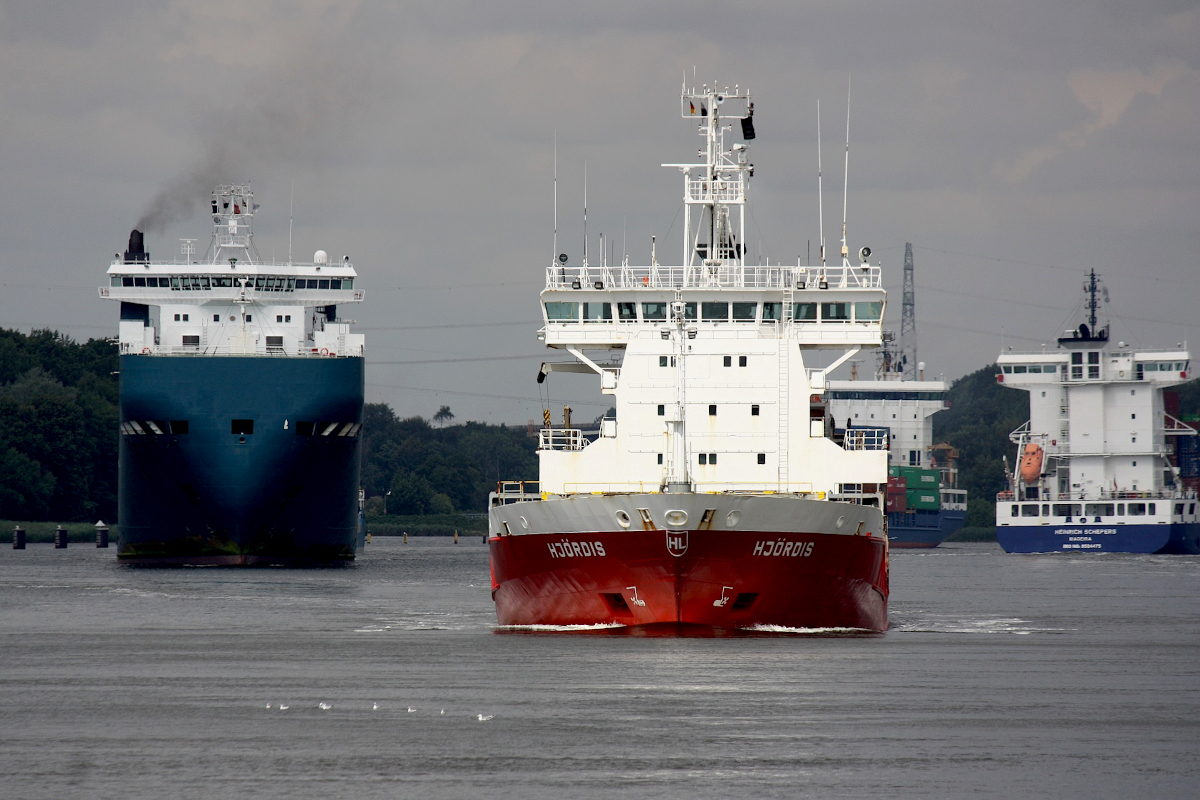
point(239, 459)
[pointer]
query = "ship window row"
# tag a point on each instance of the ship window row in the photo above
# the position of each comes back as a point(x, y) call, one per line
point(710, 459)
point(266, 283)
point(1084, 510)
point(1036, 369)
point(837, 312)
point(1163, 366)
point(846, 395)
point(154, 427)
point(347, 429)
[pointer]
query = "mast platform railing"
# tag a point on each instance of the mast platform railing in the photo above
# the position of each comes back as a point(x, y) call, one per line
point(700, 190)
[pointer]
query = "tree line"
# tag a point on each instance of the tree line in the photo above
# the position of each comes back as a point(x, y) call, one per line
point(59, 427)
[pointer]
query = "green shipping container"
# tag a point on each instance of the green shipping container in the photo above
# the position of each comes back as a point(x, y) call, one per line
point(924, 499)
point(917, 477)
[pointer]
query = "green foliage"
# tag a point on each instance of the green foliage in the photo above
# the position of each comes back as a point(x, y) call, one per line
point(1189, 400)
point(981, 415)
point(58, 427)
point(440, 470)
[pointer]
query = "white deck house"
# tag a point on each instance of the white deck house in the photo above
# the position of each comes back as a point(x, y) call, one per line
point(231, 302)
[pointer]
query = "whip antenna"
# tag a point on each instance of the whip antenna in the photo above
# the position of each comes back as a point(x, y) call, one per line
point(820, 194)
point(846, 179)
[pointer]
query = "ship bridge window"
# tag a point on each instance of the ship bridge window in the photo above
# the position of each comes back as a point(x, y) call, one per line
point(627, 312)
point(745, 312)
point(868, 311)
point(139, 281)
point(597, 312)
point(1030, 510)
point(1020, 369)
point(689, 311)
point(322, 284)
point(204, 282)
point(1137, 509)
point(1049, 368)
point(222, 281)
point(804, 312)
point(562, 312)
point(175, 282)
point(1067, 509)
point(714, 312)
point(335, 283)
point(654, 311)
point(1098, 510)
point(241, 427)
point(1007, 369)
point(835, 312)
point(127, 281)
point(772, 312)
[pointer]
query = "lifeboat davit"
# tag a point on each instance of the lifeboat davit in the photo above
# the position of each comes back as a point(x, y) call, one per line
point(1031, 463)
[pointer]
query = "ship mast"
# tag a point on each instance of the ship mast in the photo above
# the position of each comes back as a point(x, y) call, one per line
point(721, 186)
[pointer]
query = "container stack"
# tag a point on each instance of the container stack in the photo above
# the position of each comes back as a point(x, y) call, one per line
point(921, 488)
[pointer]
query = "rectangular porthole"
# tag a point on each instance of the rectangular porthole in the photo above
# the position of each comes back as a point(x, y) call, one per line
point(754, 411)
point(242, 427)
point(762, 458)
point(712, 458)
point(712, 410)
point(729, 361)
point(703, 459)
point(660, 458)
point(662, 410)
point(742, 361)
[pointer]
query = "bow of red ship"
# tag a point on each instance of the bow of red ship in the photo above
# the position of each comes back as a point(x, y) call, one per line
point(722, 579)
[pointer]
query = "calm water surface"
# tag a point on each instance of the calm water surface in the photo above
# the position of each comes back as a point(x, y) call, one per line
point(1002, 676)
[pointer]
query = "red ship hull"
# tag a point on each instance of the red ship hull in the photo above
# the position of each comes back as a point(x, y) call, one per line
point(723, 579)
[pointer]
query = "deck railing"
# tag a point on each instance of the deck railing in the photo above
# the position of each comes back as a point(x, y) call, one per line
point(703, 276)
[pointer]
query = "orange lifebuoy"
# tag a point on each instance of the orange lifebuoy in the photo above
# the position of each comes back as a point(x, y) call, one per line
point(324, 351)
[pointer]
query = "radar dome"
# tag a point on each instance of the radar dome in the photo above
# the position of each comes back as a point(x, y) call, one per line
point(320, 257)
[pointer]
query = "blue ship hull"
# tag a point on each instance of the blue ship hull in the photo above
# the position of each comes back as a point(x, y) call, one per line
point(205, 488)
point(1180, 537)
point(923, 528)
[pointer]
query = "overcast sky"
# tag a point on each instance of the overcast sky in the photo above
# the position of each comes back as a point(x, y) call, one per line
point(1015, 144)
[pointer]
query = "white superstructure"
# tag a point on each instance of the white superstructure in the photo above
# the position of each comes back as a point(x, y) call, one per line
point(231, 302)
point(1097, 433)
point(710, 361)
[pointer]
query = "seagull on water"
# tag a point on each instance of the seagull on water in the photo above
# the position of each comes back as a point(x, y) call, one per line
point(268, 705)
point(374, 706)
point(411, 709)
point(484, 718)
point(282, 707)
point(324, 706)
